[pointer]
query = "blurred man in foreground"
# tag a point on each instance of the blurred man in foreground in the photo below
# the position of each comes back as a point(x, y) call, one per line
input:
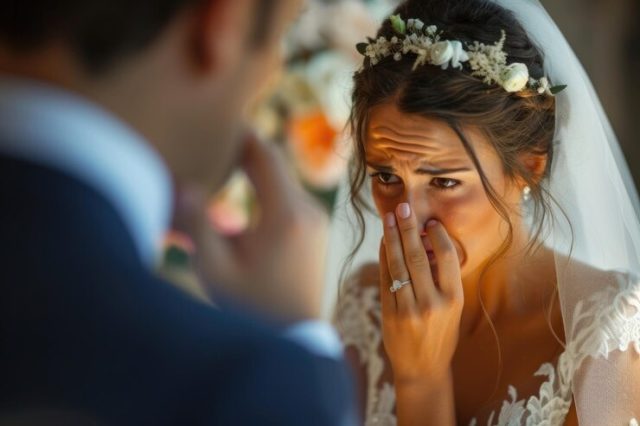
point(116, 117)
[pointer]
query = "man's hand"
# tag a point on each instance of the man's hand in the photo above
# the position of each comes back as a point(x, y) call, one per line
point(276, 266)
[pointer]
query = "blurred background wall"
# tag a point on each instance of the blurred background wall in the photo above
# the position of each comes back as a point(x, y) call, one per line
point(605, 34)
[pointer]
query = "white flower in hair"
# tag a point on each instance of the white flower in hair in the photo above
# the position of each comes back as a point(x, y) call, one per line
point(441, 53)
point(459, 55)
point(514, 77)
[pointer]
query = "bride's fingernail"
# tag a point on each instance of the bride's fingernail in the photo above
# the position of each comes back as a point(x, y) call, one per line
point(432, 223)
point(404, 211)
point(390, 220)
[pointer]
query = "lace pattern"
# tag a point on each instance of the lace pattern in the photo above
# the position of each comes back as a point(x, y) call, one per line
point(358, 320)
point(606, 321)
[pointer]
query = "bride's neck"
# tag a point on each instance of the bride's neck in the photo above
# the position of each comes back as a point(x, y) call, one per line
point(519, 281)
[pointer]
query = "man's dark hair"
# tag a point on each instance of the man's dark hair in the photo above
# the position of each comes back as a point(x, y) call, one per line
point(100, 32)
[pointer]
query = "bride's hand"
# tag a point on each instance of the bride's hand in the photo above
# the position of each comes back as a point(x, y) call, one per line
point(420, 322)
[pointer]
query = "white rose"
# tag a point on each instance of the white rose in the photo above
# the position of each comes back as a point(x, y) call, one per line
point(514, 77)
point(459, 55)
point(441, 53)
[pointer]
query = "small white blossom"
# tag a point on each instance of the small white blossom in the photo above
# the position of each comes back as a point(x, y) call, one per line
point(423, 58)
point(488, 62)
point(514, 77)
point(406, 46)
point(397, 56)
point(441, 53)
point(543, 86)
point(459, 55)
point(432, 29)
point(416, 24)
point(370, 51)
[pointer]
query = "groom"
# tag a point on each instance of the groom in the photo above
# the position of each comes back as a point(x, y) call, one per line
point(115, 118)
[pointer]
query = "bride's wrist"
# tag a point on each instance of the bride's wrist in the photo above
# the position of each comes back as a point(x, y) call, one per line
point(434, 380)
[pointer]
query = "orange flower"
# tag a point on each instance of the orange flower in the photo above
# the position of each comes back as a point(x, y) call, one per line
point(317, 149)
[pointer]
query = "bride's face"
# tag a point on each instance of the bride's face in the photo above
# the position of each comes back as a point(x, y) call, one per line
point(422, 161)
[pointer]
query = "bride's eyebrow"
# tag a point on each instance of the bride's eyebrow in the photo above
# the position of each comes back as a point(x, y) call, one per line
point(421, 170)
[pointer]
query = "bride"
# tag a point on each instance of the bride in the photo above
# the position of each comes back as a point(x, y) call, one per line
point(497, 281)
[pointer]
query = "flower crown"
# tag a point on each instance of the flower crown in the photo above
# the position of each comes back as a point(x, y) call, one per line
point(486, 62)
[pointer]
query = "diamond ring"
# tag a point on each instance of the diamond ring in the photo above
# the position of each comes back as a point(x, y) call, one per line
point(397, 285)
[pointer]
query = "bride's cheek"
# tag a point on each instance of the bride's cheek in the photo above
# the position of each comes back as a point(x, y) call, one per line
point(386, 198)
point(459, 217)
point(474, 224)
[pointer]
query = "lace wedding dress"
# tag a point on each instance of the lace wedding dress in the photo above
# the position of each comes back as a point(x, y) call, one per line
point(609, 320)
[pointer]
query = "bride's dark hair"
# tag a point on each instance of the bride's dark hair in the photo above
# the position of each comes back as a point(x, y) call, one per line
point(513, 123)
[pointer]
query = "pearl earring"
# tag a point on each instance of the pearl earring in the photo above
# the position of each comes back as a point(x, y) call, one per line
point(526, 193)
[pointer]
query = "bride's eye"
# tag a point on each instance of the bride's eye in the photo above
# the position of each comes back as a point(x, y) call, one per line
point(385, 178)
point(445, 183)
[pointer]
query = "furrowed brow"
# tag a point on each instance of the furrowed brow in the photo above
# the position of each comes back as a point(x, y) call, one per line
point(439, 172)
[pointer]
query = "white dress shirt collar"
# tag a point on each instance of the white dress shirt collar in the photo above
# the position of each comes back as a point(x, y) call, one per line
point(63, 131)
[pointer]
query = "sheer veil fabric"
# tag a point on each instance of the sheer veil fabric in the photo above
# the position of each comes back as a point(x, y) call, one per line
point(595, 234)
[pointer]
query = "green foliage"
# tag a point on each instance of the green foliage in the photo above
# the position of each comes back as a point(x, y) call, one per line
point(398, 24)
point(557, 89)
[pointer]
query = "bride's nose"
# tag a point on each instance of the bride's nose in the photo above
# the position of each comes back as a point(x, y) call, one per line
point(422, 205)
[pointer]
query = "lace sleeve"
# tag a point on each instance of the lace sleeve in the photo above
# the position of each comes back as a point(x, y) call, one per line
point(599, 368)
point(606, 330)
point(358, 319)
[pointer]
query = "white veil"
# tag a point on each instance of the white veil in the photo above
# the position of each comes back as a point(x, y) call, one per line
point(596, 231)
point(591, 182)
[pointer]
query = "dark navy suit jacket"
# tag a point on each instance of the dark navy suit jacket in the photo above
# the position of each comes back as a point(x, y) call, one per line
point(87, 330)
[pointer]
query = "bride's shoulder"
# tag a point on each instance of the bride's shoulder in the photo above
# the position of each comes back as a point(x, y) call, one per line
point(366, 276)
point(358, 293)
point(357, 314)
point(602, 307)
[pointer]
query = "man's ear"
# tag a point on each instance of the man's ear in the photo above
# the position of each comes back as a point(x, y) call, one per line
point(220, 31)
point(534, 164)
